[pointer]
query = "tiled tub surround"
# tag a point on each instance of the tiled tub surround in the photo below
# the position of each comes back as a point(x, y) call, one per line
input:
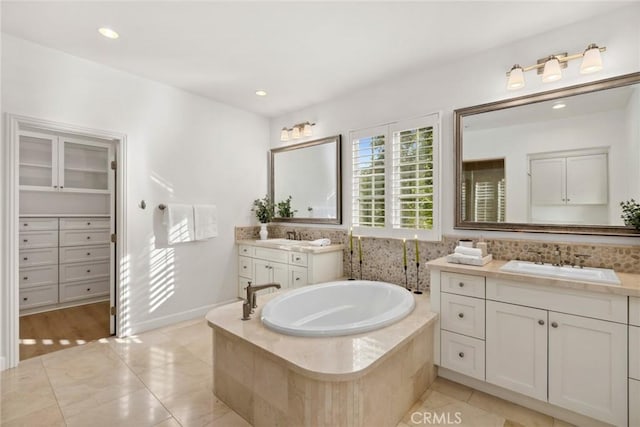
point(383, 257)
point(272, 379)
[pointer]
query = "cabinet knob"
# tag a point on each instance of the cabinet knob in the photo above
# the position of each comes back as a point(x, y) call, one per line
point(461, 284)
point(244, 267)
point(25, 278)
point(25, 298)
point(88, 253)
point(88, 237)
point(297, 278)
point(554, 324)
point(297, 258)
point(25, 258)
point(88, 223)
point(540, 322)
point(461, 315)
point(461, 355)
point(55, 186)
point(26, 225)
point(88, 289)
point(88, 271)
point(25, 240)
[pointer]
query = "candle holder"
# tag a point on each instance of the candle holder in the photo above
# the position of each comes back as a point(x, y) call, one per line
point(417, 291)
point(351, 265)
point(406, 279)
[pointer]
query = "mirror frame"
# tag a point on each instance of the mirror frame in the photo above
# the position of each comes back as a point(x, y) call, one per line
point(459, 114)
point(338, 140)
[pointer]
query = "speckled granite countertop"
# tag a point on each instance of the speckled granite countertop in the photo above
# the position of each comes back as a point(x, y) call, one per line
point(630, 282)
point(294, 248)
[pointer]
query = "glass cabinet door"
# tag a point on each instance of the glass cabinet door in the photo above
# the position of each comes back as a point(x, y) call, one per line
point(84, 166)
point(37, 157)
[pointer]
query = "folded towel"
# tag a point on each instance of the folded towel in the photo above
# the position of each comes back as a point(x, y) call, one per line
point(462, 256)
point(475, 252)
point(320, 242)
point(178, 221)
point(206, 221)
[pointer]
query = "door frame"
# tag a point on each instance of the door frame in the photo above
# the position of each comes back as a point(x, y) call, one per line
point(9, 298)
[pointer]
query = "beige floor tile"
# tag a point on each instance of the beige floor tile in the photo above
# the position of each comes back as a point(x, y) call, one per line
point(45, 417)
point(510, 423)
point(510, 410)
point(199, 407)
point(560, 423)
point(143, 358)
point(440, 410)
point(231, 420)
point(171, 422)
point(138, 409)
point(187, 374)
point(452, 389)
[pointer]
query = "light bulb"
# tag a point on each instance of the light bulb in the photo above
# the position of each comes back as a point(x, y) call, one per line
point(306, 131)
point(284, 134)
point(591, 60)
point(552, 70)
point(516, 78)
point(296, 132)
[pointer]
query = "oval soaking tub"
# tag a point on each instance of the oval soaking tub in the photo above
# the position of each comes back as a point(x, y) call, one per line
point(338, 308)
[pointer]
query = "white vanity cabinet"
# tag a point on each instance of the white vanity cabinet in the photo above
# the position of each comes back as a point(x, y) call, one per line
point(260, 263)
point(571, 348)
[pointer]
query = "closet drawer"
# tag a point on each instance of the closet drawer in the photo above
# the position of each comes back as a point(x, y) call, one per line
point(38, 297)
point(38, 257)
point(462, 284)
point(245, 266)
point(464, 315)
point(82, 290)
point(463, 354)
point(245, 250)
point(271, 255)
point(82, 237)
point(297, 258)
point(634, 311)
point(589, 304)
point(38, 276)
point(84, 223)
point(38, 224)
point(634, 352)
point(298, 277)
point(38, 239)
point(83, 271)
point(84, 253)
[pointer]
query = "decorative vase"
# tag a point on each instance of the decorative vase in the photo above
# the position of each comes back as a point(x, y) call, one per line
point(263, 232)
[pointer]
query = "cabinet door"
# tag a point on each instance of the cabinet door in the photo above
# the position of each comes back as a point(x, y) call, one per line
point(548, 181)
point(587, 180)
point(280, 274)
point(38, 156)
point(83, 166)
point(299, 277)
point(261, 272)
point(588, 367)
point(516, 343)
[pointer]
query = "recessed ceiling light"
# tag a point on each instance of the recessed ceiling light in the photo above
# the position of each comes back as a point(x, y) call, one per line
point(558, 106)
point(108, 33)
point(261, 93)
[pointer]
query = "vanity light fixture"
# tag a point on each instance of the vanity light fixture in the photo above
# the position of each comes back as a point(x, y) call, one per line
point(108, 33)
point(551, 66)
point(297, 131)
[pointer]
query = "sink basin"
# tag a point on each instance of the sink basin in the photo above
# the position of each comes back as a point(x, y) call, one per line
point(586, 274)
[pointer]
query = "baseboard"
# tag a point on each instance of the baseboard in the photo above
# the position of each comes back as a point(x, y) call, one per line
point(160, 322)
point(2, 363)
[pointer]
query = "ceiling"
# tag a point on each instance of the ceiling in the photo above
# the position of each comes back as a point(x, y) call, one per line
point(301, 53)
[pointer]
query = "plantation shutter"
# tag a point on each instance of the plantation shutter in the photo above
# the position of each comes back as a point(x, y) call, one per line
point(368, 185)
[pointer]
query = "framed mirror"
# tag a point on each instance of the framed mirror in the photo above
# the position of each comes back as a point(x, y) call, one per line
point(559, 161)
point(308, 175)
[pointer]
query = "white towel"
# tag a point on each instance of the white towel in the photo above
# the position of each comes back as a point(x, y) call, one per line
point(206, 221)
point(178, 221)
point(474, 252)
point(462, 256)
point(320, 242)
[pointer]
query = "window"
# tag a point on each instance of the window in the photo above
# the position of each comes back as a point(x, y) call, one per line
point(394, 189)
point(483, 190)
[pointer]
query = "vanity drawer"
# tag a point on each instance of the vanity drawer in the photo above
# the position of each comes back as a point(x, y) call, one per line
point(84, 237)
point(634, 398)
point(463, 354)
point(298, 277)
point(38, 224)
point(83, 271)
point(582, 303)
point(463, 315)
point(245, 266)
point(77, 291)
point(245, 250)
point(38, 239)
point(38, 276)
point(462, 284)
point(38, 257)
point(634, 353)
point(634, 311)
point(271, 254)
point(38, 297)
point(84, 253)
point(297, 258)
point(84, 223)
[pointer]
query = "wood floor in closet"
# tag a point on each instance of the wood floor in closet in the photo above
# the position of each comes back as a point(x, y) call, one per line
point(55, 330)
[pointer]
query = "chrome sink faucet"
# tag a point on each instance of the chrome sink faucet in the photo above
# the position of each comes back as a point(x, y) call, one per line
point(251, 301)
point(557, 256)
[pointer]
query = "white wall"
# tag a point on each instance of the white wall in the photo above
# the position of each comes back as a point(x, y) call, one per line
point(471, 81)
point(181, 148)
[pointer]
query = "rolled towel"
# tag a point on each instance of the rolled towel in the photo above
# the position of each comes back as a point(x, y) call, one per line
point(474, 252)
point(320, 242)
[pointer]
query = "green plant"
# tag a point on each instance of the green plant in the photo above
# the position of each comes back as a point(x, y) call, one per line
point(284, 208)
point(264, 209)
point(631, 213)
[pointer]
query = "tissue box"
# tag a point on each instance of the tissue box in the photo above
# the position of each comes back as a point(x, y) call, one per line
point(468, 261)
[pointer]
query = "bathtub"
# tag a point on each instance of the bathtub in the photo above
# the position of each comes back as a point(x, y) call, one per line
point(338, 308)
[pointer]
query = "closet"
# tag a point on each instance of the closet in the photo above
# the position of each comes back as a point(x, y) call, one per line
point(66, 256)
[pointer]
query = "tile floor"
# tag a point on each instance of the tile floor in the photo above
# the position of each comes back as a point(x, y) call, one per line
point(164, 378)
